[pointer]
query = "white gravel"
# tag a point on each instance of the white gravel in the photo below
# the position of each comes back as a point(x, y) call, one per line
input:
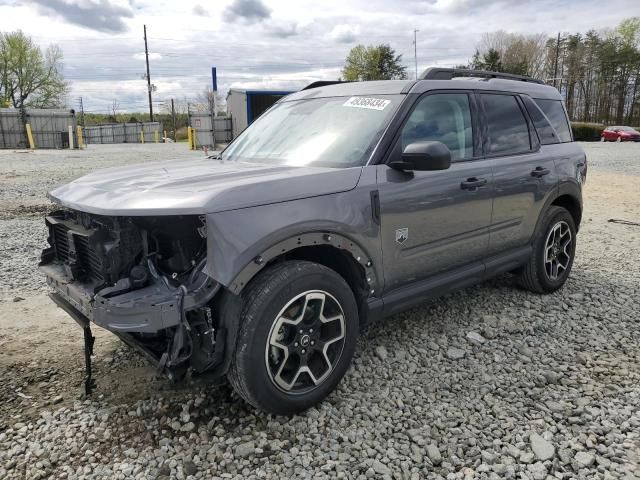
point(488, 383)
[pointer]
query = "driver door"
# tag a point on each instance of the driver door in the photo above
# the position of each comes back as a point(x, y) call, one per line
point(433, 222)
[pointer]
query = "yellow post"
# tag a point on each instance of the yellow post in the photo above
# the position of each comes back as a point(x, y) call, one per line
point(164, 139)
point(32, 145)
point(80, 139)
point(193, 139)
point(156, 132)
point(141, 136)
point(190, 138)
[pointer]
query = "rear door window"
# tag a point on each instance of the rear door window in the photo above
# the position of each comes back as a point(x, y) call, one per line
point(507, 127)
point(545, 131)
point(554, 111)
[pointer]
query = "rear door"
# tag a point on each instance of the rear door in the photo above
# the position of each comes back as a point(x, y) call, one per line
point(524, 174)
point(435, 221)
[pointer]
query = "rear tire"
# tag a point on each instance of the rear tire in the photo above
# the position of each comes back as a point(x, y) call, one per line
point(298, 330)
point(602, 139)
point(554, 247)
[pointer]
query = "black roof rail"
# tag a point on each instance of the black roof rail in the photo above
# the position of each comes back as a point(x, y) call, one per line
point(436, 73)
point(322, 83)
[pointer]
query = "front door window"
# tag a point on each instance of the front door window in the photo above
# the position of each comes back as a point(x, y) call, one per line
point(442, 117)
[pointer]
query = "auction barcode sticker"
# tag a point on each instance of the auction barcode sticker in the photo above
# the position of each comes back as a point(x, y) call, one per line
point(367, 102)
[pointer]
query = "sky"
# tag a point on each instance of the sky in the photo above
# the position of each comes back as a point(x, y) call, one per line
point(268, 44)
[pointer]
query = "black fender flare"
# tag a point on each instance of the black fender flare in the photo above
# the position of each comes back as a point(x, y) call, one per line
point(569, 188)
point(308, 239)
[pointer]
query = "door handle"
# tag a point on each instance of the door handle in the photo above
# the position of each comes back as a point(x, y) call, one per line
point(473, 183)
point(540, 172)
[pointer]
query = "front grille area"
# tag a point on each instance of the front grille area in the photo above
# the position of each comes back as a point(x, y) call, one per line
point(76, 251)
point(61, 241)
point(89, 259)
point(93, 249)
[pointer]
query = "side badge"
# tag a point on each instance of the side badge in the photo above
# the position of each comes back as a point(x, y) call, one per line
point(402, 234)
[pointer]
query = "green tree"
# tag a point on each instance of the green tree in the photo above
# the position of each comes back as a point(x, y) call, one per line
point(488, 61)
point(597, 72)
point(373, 63)
point(29, 77)
point(511, 53)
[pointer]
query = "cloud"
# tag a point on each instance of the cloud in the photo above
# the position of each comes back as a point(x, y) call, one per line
point(282, 29)
point(345, 33)
point(152, 56)
point(249, 11)
point(100, 15)
point(200, 11)
point(466, 6)
point(284, 45)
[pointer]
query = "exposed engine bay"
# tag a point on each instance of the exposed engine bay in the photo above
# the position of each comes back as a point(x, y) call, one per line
point(141, 278)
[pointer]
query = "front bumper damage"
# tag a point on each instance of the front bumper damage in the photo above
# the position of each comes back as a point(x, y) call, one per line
point(89, 339)
point(148, 310)
point(168, 319)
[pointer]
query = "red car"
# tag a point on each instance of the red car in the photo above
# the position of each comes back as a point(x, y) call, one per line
point(620, 134)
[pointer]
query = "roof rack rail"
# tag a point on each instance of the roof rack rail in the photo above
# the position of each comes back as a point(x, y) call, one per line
point(436, 73)
point(322, 83)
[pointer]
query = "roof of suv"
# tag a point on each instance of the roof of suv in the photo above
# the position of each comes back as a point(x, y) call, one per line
point(388, 87)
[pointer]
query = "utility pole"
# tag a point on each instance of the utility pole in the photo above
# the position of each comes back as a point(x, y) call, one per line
point(146, 54)
point(415, 50)
point(173, 118)
point(81, 112)
point(555, 66)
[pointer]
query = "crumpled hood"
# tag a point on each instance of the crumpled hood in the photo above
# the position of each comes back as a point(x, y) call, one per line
point(198, 187)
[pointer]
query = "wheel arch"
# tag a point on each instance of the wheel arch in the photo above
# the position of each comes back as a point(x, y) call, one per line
point(572, 204)
point(333, 250)
point(568, 195)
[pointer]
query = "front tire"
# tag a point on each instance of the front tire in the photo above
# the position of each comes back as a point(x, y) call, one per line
point(298, 331)
point(554, 248)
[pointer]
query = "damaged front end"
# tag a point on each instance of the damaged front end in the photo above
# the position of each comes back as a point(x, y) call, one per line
point(141, 278)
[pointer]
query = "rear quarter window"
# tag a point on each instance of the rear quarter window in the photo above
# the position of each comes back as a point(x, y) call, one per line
point(554, 111)
point(545, 131)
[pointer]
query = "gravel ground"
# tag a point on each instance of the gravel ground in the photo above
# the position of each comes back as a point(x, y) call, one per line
point(490, 382)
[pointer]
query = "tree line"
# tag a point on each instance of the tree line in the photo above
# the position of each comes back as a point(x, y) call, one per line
point(597, 73)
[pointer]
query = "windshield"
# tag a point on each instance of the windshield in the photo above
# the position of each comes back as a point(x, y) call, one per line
point(332, 132)
point(626, 129)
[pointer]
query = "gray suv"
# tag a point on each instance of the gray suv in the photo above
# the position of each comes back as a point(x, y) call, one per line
point(342, 204)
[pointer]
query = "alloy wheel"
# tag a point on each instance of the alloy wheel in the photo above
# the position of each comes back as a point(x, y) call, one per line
point(557, 251)
point(305, 342)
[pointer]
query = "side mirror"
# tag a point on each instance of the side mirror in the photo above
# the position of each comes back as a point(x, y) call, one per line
point(424, 156)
